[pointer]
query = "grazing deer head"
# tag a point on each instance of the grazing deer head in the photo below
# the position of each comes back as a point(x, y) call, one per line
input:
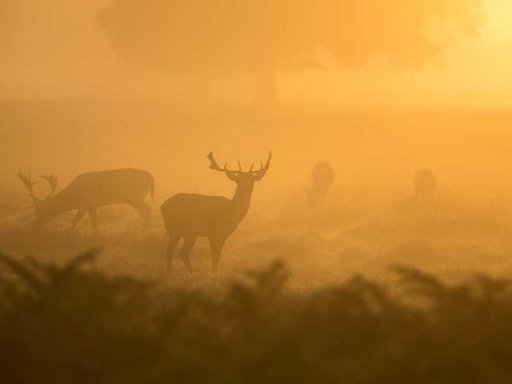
point(190, 216)
point(29, 185)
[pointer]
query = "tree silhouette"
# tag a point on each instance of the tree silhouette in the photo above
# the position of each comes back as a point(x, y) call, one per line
point(206, 37)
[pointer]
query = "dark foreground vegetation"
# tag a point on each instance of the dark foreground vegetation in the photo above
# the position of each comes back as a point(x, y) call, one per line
point(74, 324)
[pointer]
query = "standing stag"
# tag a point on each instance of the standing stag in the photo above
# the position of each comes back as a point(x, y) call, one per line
point(92, 190)
point(188, 215)
point(322, 178)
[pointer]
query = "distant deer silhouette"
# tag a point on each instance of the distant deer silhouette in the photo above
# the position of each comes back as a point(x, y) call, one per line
point(92, 190)
point(322, 178)
point(189, 216)
point(425, 184)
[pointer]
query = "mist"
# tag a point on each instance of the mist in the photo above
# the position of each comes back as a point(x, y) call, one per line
point(222, 186)
point(64, 51)
point(89, 88)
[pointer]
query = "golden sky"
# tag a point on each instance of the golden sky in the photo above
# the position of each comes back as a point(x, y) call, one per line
point(471, 73)
point(58, 52)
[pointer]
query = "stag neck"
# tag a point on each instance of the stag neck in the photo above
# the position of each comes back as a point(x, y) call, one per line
point(242, 199)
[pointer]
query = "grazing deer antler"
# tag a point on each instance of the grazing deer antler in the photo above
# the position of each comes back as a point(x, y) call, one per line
point(28, 183)
point(52, 180)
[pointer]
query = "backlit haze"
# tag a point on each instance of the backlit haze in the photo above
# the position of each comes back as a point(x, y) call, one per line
point(373, 245)
point(56, 50)
point(94, 85)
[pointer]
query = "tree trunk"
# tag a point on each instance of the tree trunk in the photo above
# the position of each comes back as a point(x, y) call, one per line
point(266, 88)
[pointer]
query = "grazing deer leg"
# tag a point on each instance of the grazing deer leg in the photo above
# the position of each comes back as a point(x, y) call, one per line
point(187, 246)
point(216, 244)
point(92, 215)
point(79, 214)
point(173, 241)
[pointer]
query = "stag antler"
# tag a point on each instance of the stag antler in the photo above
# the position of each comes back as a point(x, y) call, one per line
point(263, 168)
point(28, 183)
point(214, 166)
point(52, 180)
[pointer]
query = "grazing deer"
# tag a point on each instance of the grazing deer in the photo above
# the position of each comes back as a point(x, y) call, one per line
point(188, 215)
point(92, 190)
point(322, 178)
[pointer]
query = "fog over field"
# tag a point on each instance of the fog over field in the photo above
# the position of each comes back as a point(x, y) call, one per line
point(370, 219)
point(344, 165)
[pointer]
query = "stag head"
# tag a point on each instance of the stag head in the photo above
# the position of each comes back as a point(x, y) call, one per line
point(239, 176)
point(27, 181)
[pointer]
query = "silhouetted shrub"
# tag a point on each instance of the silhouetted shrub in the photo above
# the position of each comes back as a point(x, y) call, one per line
point(74, 324)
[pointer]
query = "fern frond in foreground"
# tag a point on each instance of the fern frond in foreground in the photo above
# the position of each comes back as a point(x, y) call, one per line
point(73, 324)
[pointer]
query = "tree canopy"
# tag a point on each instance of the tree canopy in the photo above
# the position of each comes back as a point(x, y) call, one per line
point(264, 35)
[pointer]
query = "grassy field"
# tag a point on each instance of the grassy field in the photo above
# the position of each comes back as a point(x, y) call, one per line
point(321, 246)
point(370, 222)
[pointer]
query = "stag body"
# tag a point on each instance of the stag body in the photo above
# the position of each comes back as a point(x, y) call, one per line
point(92, 190)
point(189, 216)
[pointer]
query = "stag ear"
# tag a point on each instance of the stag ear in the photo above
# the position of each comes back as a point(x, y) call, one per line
point(233, 176)
point(259, 176)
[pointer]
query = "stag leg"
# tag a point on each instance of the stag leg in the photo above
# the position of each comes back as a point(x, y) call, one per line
point(173, 242)
point(185, 251)
point(92, 215)
point(216, 244)
point(79, 215)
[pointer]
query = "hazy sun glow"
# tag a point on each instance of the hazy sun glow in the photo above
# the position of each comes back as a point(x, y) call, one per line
point(472, 73)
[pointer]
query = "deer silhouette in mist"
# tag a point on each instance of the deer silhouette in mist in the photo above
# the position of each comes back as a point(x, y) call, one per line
point(322, 177)
point(89, 191)
point(189, 216)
